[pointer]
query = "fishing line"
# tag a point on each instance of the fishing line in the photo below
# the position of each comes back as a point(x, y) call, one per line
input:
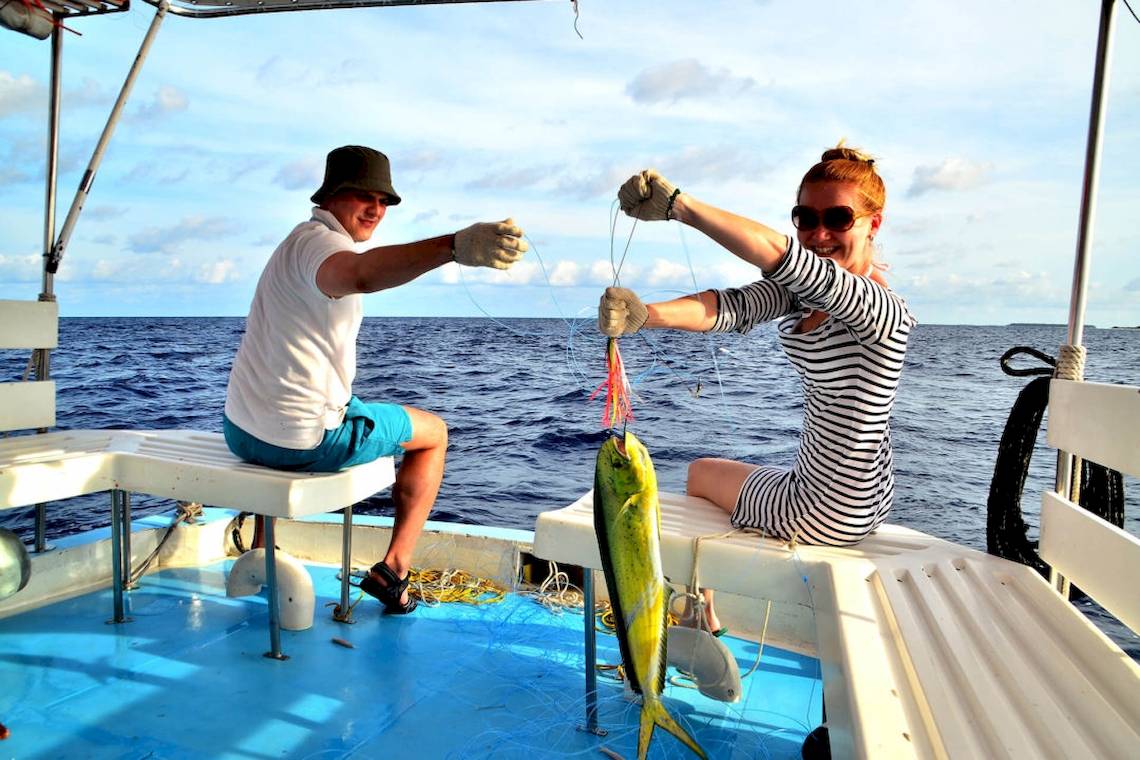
point(708, 335)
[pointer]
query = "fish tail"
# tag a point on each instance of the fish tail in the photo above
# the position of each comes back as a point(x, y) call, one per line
point(653, 714)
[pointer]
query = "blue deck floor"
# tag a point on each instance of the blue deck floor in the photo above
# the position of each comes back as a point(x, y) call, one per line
point(186, 679)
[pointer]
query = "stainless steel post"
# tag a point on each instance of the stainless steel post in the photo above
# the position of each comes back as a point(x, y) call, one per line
point(271, 581)
point(117, 554)
point(591, 652)
point(1079, 294)
point(43, 355)
point(52, 263)
point(52, 170)
point(342, 613)
point(128, 584)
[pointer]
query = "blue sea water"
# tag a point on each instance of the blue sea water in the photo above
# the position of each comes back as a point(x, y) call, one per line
point(523, 432)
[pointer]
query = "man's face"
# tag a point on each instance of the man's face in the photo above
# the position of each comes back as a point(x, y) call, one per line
point(358, 211)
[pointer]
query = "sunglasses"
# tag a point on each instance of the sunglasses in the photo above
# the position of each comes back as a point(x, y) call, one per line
point(835, 218)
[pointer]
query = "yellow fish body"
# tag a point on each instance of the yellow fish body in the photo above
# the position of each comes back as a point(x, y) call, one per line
point(627, 521)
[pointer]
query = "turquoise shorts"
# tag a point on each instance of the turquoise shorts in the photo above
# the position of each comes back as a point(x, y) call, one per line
point(369, 431)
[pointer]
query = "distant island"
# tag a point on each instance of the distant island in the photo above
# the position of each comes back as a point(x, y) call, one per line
point(1124, 327)
point(1056, 324)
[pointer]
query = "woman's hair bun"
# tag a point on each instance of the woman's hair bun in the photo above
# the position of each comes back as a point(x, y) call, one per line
point(841, 153)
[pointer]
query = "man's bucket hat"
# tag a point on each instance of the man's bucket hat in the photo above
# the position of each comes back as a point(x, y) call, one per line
point(354, 167)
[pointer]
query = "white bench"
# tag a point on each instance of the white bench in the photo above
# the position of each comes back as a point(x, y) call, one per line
point(176, 464)
point(929, 649)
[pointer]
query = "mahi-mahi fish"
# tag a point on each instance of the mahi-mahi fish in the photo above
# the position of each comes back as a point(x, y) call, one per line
point(627, 520)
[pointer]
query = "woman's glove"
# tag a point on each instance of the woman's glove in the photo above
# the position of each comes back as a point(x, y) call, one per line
point(490, 244)
point(621, 312)
point(648, 196)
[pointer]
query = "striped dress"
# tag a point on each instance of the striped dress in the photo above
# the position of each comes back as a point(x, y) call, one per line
point(842, 484)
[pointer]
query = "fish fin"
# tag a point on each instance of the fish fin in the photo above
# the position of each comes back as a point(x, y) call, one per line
point(653, 713)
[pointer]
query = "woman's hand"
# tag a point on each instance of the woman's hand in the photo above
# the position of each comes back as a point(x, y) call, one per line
point(648, 196)
point(620, 312)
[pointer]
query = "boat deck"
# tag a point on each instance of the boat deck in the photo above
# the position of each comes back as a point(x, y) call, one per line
point(187, 679)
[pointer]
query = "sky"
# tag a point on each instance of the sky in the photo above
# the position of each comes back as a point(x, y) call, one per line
point(976, 111)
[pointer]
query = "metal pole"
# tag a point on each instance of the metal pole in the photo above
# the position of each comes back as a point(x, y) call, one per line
point(128, 584)
point(271, 581)
point(343, 613)
point(591, 652)
point(1079, 293)
point(43, 355)
point(52, 263)
point(52, 158)
point(1092, 172)
point(117, 554)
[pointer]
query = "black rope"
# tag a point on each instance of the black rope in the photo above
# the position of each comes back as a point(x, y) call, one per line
point(1102, 489)
point(235, 531)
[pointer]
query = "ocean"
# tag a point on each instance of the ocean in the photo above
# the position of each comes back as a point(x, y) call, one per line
point(523, 430)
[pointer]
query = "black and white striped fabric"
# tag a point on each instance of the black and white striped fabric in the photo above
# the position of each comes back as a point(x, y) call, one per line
point(841, 486)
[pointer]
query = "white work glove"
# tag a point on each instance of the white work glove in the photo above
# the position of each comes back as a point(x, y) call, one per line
point(648, 196)
point(620, 312)
point(490, 244)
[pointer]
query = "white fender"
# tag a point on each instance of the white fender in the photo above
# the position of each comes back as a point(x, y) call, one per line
point(294, 586)
point(707, 660)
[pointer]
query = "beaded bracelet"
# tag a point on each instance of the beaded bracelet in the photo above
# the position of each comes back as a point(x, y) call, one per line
point(669, 207)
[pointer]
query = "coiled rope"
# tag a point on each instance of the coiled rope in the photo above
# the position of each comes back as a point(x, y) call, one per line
point(1099, 489)
point(187, 512)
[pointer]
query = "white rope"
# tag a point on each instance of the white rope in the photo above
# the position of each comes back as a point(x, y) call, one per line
point(1071, 366)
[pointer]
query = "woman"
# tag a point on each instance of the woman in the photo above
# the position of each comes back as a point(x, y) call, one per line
point(842, 327)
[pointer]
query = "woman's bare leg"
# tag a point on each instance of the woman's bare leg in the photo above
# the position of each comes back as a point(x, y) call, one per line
point(719, 481)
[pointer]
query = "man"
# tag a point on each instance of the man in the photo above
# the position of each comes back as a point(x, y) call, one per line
point(289, 402)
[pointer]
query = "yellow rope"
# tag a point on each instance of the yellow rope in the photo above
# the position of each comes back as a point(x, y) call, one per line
point(434, 587)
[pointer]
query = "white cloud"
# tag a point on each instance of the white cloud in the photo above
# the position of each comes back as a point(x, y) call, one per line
point(20, 93)
point(602, 272)
point(688, 78)
point(156, 173)
point(301, 175)
point(951, 174)
point(106, 269)
point(516, 179)
point(586, 186)
point(104, 212)
point(565, 274)
point(20, 268)
point(166, 100)
point(668, 274)
point(167, 239)
point(218, 272)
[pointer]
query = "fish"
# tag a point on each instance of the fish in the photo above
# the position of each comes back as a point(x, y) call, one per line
point(627, 521)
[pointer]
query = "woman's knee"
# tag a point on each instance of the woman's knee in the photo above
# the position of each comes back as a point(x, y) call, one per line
point(718, 480)
point(699, 476)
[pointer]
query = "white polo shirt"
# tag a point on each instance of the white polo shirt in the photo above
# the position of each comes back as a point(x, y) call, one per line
point(292, 376)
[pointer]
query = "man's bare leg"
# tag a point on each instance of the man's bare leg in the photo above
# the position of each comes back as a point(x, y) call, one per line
point(719, 481)
point(417, 485)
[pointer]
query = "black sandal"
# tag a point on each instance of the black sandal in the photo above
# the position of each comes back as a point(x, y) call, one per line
point(388, 595)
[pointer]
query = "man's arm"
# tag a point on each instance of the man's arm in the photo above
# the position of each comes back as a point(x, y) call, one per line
point(386, 266)
point(484, 244)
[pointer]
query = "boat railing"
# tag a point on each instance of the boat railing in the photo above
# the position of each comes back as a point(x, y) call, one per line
point(1098, 422)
